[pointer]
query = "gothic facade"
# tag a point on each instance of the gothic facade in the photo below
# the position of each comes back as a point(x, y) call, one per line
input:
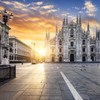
point(72, 44)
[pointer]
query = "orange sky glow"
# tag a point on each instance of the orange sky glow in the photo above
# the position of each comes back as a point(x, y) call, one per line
point(31, 23)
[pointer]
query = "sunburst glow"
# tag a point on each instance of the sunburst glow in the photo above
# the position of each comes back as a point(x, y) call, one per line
point(42, 52)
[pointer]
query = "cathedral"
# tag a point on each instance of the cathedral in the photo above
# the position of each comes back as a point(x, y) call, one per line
point(72, 44)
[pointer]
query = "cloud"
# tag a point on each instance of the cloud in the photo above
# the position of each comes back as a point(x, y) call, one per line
point(35, 8)
point(81, 12)
point(93, 25)
point(52, 10)
point(48, 6)
point(1, 8)
point(16, 4)
point(90, 8)
point(30, 20)
point(39, 3)
point(71, 17)
point(77, 8)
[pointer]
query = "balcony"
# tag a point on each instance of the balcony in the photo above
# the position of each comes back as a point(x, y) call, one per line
point(71, 38)
point(72, 47)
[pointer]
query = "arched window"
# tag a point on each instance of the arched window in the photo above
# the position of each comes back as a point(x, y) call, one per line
point(60, 42)
point(83, 50)
point(52, 50)
point(83, 42)
point(71, 33)
point(72, 44)
point(60, 50)
point(92, 49)
point(11, 50)
point(10, 57)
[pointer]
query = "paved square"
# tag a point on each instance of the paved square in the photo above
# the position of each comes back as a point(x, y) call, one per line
point(45, 82)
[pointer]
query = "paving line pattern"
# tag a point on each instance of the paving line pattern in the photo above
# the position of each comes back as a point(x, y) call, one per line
point(71, 88)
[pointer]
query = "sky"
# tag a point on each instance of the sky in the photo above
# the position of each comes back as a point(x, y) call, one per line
point(32, 18)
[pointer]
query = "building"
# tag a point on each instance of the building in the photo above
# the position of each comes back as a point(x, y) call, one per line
point(4, 44)
point(72, 44)
point(19, 51)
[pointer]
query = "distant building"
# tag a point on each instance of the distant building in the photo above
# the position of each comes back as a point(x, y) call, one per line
point(2, 42)
point(19, 51)
point(72, 44)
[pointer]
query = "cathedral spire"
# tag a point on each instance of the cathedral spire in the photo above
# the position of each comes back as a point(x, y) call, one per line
point(96, 29)
point(49, 36)
point(56, 29)
point(66, 20)
point(46, 36)
point(77, 20)
point(80, 19)
point(96, 32)
point(88, 27)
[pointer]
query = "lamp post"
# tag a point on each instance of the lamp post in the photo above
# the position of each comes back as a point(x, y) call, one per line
point(5, 17)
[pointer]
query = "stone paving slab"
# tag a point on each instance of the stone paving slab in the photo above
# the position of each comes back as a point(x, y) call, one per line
point(51, 98)
point(7, 95)
point(51, 92)
point(33, 92)
point(23, 97)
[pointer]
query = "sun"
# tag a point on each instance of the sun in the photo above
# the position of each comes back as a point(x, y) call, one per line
point(42, 52)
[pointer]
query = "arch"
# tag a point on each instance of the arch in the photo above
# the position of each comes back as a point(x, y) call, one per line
point(71, 33)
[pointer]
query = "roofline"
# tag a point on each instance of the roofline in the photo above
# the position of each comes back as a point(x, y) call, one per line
point(13, 37)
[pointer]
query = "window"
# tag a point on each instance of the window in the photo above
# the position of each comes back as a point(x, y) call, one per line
point(11, 50)
point(52, 50)
point(60, 42)
point(92, 49)
point(83, 50)
point(83, 42)
point(60, 50)
point(15, 50)
point(10, 57)
point(72, 44)
point(71, 33)
point(11, 44)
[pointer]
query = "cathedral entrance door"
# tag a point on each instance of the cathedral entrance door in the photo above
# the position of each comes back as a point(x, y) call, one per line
point(53, 59)
point(92, 58)
point(60, 59)
point(84, 58)
point(71, 57)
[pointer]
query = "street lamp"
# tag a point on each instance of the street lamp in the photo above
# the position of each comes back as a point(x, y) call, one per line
point(5, 17)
